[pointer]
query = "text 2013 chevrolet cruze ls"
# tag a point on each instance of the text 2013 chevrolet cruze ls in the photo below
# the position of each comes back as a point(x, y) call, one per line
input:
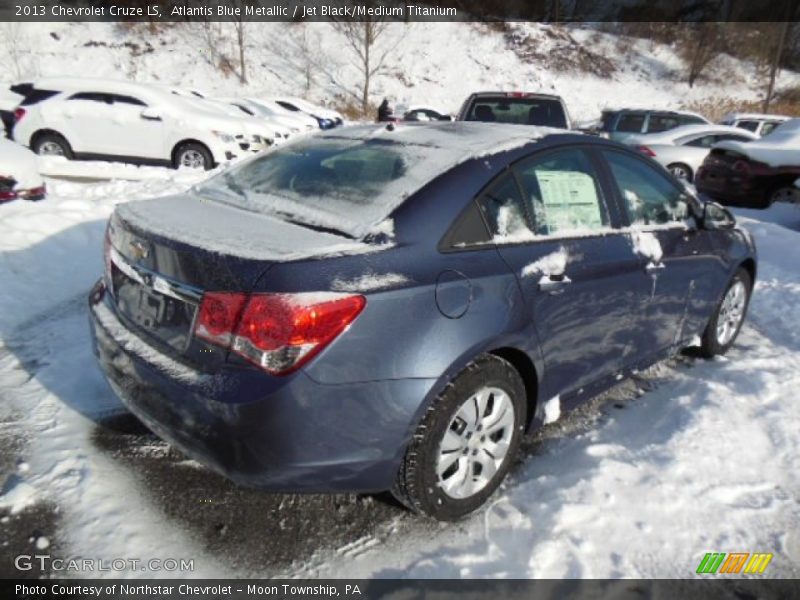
point(392, 308)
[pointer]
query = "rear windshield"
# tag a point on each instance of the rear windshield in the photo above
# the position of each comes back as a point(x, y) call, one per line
point(341, 185)
point(545, 112)
point(36, 95)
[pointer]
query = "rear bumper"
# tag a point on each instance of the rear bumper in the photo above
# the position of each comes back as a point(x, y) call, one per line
point(744, 194)
point(303, 436)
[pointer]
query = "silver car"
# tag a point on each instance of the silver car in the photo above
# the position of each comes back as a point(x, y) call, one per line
point(682, 150)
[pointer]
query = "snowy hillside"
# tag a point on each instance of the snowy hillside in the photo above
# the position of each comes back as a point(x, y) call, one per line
point(433, 63)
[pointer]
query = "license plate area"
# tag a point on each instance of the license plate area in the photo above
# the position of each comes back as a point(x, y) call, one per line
point(164, 317)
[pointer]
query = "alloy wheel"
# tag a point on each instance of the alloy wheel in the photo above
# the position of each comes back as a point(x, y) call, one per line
point(51, 149)
point(731, 313)
point(476, 443)
point(192, 159)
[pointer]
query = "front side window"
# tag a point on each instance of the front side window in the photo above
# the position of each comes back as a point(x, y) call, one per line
point(749, 125)
point(630, 123)
point(92, 97)
point(648, 196)
point(562, 193)
point(120, 99)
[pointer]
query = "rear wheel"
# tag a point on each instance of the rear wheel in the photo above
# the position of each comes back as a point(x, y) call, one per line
point(466, 443)
point(681, 171)
point(192, 155)
point(725, 323)
point(51, 144)
point(788, 194)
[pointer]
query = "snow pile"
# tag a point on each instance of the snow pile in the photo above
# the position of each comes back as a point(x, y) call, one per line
point(645, 243)
point(554, 263)
point(20, 164)
point(370, 282)
point(552, 410)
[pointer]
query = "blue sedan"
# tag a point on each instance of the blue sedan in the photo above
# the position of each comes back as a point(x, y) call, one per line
point(392, 308)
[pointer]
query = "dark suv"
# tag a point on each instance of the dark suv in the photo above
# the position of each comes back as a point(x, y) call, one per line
point(517, 108)
point(621, 124)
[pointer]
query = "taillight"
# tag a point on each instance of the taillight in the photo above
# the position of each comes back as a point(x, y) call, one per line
point(646, 150)
point(741, 166)
point(219, 315)
point(277, 332)
point(18, 114)
point(7, 195)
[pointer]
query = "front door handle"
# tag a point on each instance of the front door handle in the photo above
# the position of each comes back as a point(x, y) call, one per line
point(553, 284)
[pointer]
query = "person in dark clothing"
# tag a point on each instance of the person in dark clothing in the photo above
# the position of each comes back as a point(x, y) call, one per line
point(385, 112)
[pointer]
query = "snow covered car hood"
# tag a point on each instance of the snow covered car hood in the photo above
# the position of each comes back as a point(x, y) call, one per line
point(20, 164)
point(781, 148)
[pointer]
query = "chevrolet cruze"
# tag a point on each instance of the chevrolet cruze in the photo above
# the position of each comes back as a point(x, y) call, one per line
point(392, 308)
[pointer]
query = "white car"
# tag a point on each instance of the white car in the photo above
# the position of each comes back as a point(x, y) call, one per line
point(758, 123)
point(19, 173)
point(274, 110)
point(119, 120)
point(683, 149)
point(274, 115)
point(262, 135)
point(326, 118)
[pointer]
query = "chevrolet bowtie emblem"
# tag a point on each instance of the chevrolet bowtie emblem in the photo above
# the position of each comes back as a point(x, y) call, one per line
point(139, 250)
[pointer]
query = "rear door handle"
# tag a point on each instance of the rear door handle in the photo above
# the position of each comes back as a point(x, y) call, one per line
point(653, 267)
point(553, 284)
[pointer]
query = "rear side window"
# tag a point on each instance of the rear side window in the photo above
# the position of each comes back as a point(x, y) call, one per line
point(662, 123)
point(749, 125)
point(546, 112)
point(705, 141)
point(689, 120)
point(92, 97)
point(35, 96)
point(630, 123)
point(768, 127)
point(504, 211)
point(120, 99)
point(561, 190)
point(648, 196)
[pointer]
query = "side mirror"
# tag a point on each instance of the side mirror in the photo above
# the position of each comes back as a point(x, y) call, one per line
point(150, 114)
point(716, 217)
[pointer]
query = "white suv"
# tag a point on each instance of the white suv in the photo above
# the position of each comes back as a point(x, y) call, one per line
point(118, 120)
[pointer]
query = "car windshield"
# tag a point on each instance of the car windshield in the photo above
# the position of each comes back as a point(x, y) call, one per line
point(340, 185)
point(545, 112)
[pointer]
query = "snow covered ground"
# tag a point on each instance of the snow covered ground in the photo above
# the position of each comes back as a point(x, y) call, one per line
point(688, 458)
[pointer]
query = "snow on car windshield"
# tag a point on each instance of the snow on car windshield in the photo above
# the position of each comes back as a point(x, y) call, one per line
point(335, 183)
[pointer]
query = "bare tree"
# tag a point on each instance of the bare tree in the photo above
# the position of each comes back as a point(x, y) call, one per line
point(370, 48)
point(299, 50)
point(700, 47)
point(214, 36)
point(16, 56)
point(776, 58)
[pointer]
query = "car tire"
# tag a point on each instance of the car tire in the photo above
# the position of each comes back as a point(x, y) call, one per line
point(445, 445)
point(681, 171)
point(192, 155)
point(726, 322)
point(788, 194)
point(52, 144)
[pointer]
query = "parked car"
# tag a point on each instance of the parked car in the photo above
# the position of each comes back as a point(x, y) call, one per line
point(9, 101)
point(682, 150)
point(325, 117)
point(757, 123)
point(754, 174)
point(393, 307)
point(285, 123)
point(520, 108)
point(424, 112)
point(272, 109)
point(118, 120)
point(19, 173)
point(621, 124)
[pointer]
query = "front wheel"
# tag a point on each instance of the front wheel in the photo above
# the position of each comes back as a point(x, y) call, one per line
point(681, 171)
point(466, 443)
point(192, 155)
point(725, 323)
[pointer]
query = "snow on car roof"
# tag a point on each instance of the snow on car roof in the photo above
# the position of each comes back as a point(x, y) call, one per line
point(779, 148)
point(696, 128)
point(464, 139)
point(753, 116)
